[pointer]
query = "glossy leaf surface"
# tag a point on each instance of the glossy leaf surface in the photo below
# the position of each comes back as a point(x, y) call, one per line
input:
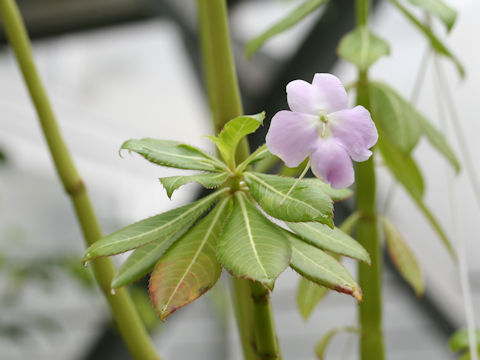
point(306, 202)
point(208, 180)
point(317, 266)
point(305, 9)
point(190, 267)
point(153, 228)
point(362, 47)
point(309, 294)
point(251, 247)
point(334, 240)
point(403, 257)
point(173, 154)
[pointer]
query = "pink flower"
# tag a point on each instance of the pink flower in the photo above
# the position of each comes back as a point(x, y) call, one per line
point(321, 126)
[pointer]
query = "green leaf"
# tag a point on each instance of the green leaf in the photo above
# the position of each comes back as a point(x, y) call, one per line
point(403, 257)
point(143, 259)
point(435, 42)
point(323, 343)
point(402, 166)
point(283, 24)
point(306, 202)
point(190, 267)
point(362, 47)
point(459, 340)
point(350, 222)
point(394, 117)
point(319, 267)
point(334, 240)
point(438, 141)
point(334, 194)
point(233, 132)
point(440, 9)
point(251, 246)
point(258, 155)
point(173, 154)
point(208, 180)
point(153, 228)
point(309, 294)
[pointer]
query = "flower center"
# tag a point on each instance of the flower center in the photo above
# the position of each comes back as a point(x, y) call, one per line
point(323, 127)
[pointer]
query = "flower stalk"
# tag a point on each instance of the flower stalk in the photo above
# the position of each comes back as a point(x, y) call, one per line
point(129, 324)
point(370, 277)
point(254, 319)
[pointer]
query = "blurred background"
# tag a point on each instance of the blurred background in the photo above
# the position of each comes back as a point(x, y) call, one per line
point(120, 69)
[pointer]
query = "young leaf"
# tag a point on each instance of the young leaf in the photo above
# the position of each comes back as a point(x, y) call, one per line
point(309, 294)
point(233, 132)
point(258, 155)
point(306, 202)
point(322, 344)
point(190, 267)
point(436, 43)
point(283, 24)
point(402, 257)
point(459, 340)
point(143, 259)
point(153, 228)
point(440, 9)
point(251, 246)
point(438, 141)
point(317, 266)
point(394, 117)
point(173, 154)
point(208, 180)
point(334, 240)
point(362, 47)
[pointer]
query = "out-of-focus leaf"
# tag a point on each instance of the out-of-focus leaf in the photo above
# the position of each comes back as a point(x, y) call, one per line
point(258, 155)
point(362, 47)
point(153, 228)
point(306, 202)
point(403, 257)
point(250, 246)
point(436, 43)
point(190, 267)
point(440, 9)
point(309, 294)
point(334, 240)
point(322, 344)
point(323, 269)
point(306, 8)
point(350, 222)
point(208, 180)
point(173, 154)
point(459, 340)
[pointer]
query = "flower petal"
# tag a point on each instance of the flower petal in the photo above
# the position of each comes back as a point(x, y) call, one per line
point(331, 163)
point(325, 95)
point(333, 95)
point(355, 130)
point(291, 136)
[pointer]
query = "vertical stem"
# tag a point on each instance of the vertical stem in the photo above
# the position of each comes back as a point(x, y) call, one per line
point(124, 312)
point(370, 277)
point(225, 104)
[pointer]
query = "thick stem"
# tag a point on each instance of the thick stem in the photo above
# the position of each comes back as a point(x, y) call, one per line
point(225, 104)
point(124, 312)
point(370, 309)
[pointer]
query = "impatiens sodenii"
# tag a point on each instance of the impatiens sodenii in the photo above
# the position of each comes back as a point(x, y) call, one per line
point(320, 126)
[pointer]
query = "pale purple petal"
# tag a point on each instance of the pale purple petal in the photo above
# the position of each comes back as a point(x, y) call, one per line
point(291, 136)
point(331, 163)
point(304, 97)
point(331, 93)
point(355, 130)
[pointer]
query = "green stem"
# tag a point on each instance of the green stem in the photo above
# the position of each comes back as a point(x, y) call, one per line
point(129, 324)
point(225, 104)
point(370, 309)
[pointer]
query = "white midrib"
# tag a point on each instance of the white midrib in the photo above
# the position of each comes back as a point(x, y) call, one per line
point(280, 193)
point(249, 232)
point(206, 199)
point(343, 281)
point(331, 238)
point(197, 158)
point(197, 253)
